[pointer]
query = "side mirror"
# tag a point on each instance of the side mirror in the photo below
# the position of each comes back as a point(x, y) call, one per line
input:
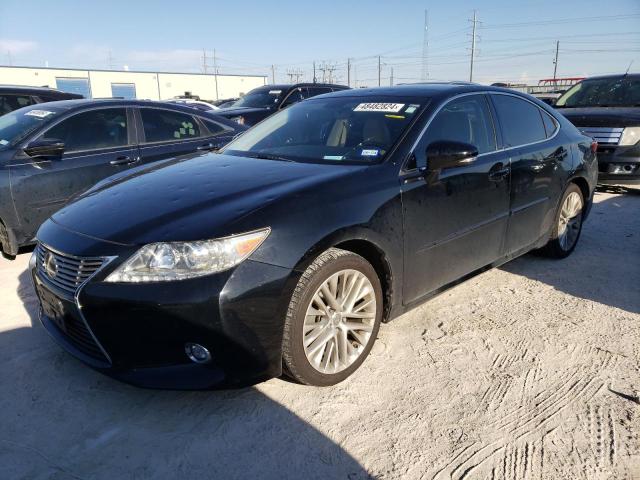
point(45, 148)
point(445, 154)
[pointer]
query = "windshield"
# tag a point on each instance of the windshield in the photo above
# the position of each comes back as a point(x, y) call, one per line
point(331, 130)
point(603, 92)
point(16, 125)
point(259, 98)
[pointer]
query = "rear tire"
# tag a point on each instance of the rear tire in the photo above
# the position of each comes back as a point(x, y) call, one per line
point(568, 224)
point(5, 244)
point(332, 320)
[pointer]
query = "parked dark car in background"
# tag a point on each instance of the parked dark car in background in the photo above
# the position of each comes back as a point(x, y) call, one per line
point(284, 252)
point(197, 104)
point(51, 152)
point(225, 102)
point(261, 102)
point(15, 97)
point(607, 108)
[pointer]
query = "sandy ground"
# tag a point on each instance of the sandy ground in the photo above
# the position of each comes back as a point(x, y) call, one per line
point(530, 371)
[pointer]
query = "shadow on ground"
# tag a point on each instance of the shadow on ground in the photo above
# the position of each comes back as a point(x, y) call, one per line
point(601, 256)
point(59, 419)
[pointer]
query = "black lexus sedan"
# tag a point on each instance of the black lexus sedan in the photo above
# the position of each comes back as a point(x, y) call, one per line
point(284, 252)
point(261, 102)
point(607, 108)
point(54, 151)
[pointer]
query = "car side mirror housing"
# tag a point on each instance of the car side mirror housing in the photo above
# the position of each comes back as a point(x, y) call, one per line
point(446, 154)
point(45, 148)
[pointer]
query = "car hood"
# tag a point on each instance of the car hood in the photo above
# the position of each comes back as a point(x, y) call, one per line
point(602, 116)
point(190, 198)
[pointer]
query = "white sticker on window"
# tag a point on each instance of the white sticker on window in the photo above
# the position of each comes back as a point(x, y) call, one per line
point(275, 92)
point(411, 108)
point(4, 142)
point(379, 107)
point(372, 152)
point(39, 113)
point(332, 157)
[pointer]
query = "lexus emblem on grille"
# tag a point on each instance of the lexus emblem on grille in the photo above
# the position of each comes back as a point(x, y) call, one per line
point(50, 265)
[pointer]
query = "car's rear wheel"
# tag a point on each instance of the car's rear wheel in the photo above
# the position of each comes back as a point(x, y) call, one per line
point(333, 318)
point(568, 224)
point(5, 244)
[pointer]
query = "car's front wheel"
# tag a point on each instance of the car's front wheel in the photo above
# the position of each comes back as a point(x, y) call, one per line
point(568, 224)
point(333, 318)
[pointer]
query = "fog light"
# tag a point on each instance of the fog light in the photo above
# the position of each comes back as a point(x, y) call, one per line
point(197, 353)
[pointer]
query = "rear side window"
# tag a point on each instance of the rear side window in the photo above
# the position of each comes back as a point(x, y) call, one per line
point(9, 103)
point(521, 121)
point(96, 129)
point(214, 127)
point(550, 124)
point(165, 125)
point(466, 119)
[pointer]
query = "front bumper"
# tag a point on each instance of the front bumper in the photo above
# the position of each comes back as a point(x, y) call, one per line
point(619, 165)
point(140, 330)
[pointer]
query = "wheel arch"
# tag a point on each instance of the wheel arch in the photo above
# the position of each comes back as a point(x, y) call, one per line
point(361, 243)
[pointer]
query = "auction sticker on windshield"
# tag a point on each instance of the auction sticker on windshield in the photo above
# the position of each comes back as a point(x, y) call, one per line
point(39, 113)
point(379, 107)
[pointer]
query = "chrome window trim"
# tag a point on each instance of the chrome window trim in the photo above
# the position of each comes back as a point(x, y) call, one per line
point(502, 149)
point(76, 296)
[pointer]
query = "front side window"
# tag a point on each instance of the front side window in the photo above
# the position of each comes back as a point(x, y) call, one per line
point(9, 103)
point(331, 130)
point(92, 130)
point(603, 92)
point(74, 85)
point(521, 120)
point(166, 125)
point(466, 120)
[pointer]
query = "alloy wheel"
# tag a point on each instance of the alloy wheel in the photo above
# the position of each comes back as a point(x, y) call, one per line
point(570, 221)
point(339, 321)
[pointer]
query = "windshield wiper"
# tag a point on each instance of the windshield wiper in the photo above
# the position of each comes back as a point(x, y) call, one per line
point(269, 156)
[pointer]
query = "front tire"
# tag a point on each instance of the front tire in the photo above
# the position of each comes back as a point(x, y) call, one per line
point(568, 224)
point(333, 319)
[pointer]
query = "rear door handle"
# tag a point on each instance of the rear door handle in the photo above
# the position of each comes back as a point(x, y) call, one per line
point(498, 172)
point(123, 160)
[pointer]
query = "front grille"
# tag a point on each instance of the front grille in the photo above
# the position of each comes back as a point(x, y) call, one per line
point(604, 135)
point(65, 272)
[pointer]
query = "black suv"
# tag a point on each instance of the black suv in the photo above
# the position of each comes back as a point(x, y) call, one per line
point(49, 153)
point(607, 108)
point(261, 102)
point(15, 97)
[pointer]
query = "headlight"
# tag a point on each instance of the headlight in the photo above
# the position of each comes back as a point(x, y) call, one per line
point(161, 262)
point(239, 119)
point(630, 136)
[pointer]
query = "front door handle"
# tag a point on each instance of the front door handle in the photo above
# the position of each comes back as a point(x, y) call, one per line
point(209, 147)
point(498, 172)
point(123, 160)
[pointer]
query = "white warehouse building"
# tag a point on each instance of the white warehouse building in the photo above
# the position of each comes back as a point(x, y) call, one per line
point(130, 84)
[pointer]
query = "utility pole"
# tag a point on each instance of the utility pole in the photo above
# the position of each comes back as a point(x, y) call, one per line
point(425, 47)
point(215, 72)
point(204, 61)
point(348, 72)
point(473, 44)
point(555, 61)
point(391, 78)
point(314, 72)
point(109, 61)
point(273, 74)
point(379, 71)
point(294, 74)
point(9, 61)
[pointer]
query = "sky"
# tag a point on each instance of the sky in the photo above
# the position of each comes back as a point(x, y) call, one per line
point(515, 40)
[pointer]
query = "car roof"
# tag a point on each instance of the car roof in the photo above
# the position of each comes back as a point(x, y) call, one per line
point(28, 89)
point(290, 86)
point(427, 89)
point(68, 105)
point(614, 76)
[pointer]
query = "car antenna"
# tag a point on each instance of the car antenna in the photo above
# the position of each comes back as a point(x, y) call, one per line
point(628, 68)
